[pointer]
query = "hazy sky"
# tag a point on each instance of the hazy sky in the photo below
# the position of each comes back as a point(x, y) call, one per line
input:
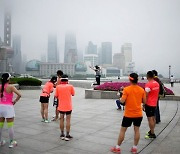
point(152, 26)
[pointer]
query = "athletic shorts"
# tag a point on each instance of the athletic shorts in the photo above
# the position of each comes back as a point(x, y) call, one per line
point(7, 111)
point(150, 110)
point(126, 122)
point(65, 112)
point(44, 99)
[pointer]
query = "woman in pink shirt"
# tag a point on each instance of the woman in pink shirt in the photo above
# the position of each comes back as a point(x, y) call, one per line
point(44, 98)
point(7, 108)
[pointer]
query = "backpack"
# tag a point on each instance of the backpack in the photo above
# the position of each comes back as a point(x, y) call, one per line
point(162, 90)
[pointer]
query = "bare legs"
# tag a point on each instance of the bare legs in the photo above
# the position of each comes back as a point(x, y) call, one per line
point(44, 110)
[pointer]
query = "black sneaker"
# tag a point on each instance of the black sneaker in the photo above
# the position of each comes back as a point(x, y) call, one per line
point(62, 136)
point(67, 138)
point(150, 136)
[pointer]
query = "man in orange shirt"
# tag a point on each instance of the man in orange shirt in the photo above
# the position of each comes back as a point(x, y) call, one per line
point(133, 96)
point(64, 91)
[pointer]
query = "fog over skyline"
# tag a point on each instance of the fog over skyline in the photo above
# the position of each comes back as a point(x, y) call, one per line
point(152, 26)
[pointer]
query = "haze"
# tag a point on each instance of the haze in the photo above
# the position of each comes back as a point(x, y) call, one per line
point(152, 26)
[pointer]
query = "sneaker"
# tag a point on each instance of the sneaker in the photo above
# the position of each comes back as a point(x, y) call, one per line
point(62, 136)
point(42, 120)
point(147, 133)
point(12, 144)
point(150, 136)
point(46, 121)
point(134, 150)
point(2, 142)
point(67, 138)
point(115, 150)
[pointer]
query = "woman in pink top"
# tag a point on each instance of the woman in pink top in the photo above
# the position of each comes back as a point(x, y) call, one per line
point(7, 108)
point(44, 98)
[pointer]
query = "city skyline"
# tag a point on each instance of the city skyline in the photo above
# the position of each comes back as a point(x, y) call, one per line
point(151, 26)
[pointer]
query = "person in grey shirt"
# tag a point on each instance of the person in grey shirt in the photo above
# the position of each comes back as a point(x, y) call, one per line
point(97, 70)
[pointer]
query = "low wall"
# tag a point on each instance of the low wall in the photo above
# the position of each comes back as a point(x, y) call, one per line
point(29, 87)
point(98, 94)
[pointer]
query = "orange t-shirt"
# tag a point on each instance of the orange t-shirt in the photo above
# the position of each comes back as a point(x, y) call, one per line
point(64, 93)
point(47, 89)
point(133, 96)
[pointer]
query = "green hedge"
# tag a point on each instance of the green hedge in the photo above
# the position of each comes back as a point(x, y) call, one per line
point(26, 81)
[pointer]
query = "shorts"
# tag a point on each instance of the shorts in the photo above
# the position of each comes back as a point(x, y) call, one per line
point(65, 112)
point(150, 110)
point(7, 111)
point(44, 99)
point(126, 122)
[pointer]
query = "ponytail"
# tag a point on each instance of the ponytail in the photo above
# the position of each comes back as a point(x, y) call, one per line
point(5, 78)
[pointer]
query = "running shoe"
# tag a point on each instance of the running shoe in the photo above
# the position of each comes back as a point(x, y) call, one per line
point(67, 138)
point(150, 136)
point(2, 142)
point(115, 150)
point(62, 136)
point(46, 121)
point(147, 133)
point(42, 120)
point(12, 144)
point(134, 150)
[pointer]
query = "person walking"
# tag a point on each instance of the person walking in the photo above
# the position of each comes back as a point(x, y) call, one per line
point(152, 93)
point(97, 70)
point(7, 108)
point(134, 96)
point(64, 91)
point(44, 98)
point(56, 101)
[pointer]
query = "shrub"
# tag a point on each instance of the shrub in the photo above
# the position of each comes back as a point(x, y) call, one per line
point(115, 86)
point(28, 82)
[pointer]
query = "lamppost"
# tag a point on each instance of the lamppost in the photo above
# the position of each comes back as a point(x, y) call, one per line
point(169, 71)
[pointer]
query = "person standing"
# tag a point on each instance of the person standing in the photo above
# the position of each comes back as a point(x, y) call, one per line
point(134, 96)
point(64, 91)
point(172, 80)
point(56, 101)
point(7, 108)
point(44, 98)
point(152, 93)
point(97, 70)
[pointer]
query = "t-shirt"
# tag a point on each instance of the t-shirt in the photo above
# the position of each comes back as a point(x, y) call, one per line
point(152, 88)
point(64, 93)
point(47, 89)
point(133, 96)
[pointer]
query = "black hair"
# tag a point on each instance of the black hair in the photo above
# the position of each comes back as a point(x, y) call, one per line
point(134, 77)
point(59, 73)
point(53, 79)
point(155, 72)
point(97, 67)
point(4, 80)
point(150, 74)
point(64, 78)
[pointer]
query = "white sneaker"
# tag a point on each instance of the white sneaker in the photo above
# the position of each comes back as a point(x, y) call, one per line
point(13, 144)
point(46, 121)
point(2, 142)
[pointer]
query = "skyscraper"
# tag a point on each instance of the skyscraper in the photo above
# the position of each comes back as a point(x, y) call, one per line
point(7, 28)
point(17, 58)
point(106, 51)
point(53, 55)
point(70, 48)
point(119, 60)
point(91, 48)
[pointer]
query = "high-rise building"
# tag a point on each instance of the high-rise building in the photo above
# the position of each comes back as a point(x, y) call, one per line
point(70, 48)
point(92, 59)
point(119, 60)
point(17, 58)
point(7, 28)
point(53, 55)
point(126, 49)
point(91, 48)
point(106, 51)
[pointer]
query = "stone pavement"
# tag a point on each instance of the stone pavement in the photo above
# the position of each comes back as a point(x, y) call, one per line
point(95, 128)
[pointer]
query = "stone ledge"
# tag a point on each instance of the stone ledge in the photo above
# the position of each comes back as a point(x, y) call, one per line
point(98, 94)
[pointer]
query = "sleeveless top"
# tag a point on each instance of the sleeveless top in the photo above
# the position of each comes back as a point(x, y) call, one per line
point(7, 97)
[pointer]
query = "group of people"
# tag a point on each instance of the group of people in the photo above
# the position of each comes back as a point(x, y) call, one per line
point(62, 102)
point(136, 101)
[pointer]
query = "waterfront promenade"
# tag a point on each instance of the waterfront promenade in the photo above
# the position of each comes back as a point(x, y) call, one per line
point(95, 128)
